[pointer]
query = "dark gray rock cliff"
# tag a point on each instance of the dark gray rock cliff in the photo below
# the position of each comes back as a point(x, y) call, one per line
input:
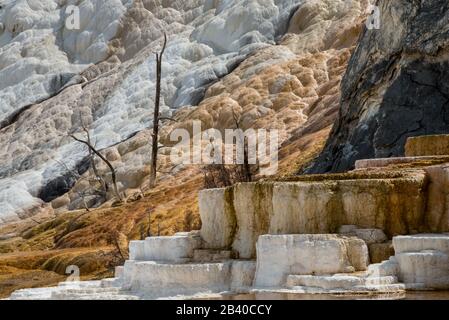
point(396, 85)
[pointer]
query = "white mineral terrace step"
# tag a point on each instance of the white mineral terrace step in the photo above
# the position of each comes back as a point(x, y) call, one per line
point(33, 294)
point(179, 248)
point(344, 283)
point(421, 242)
point(81, 287)
point(80, 284)
point(63, 293)
point(426, 269)
point(152, 280)
point(112, 282)
point(307, 263)
point(324, 282)
point(385, 162)
point(93, 294)
point(160, 279)
point(423, 261)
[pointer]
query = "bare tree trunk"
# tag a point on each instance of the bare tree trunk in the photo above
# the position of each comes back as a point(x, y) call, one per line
point(156, 119)
point(246, 167)
point(103, 183)
point(111, 168)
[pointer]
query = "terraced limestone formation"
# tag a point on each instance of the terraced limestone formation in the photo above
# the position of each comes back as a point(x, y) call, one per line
point(370, 231)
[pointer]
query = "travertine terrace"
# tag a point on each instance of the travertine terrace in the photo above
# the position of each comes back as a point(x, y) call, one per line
point(265, 237)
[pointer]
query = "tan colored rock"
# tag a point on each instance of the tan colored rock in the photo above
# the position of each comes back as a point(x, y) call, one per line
point(133, 144)
point(370, 236)
point(380, 252)
point(431, 145)
point(304, 207)
point(112, 155)
point(253, 208)
point(60, 202)
point(393, 205)
point(401, 161)
point(134, 177)
point(437, 214)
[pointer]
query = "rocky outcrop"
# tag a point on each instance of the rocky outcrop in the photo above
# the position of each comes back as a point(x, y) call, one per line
point(395, 86)
point(394, 202)
point(217, 217)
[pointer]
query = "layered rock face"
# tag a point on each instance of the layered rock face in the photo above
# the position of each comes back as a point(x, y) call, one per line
point(385, 197)
point(39, 55)
point(395, 204)
point(395, 86)
point(104, 75)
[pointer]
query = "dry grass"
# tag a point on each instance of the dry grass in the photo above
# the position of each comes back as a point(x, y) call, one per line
point(12, 279)
point(38, 254)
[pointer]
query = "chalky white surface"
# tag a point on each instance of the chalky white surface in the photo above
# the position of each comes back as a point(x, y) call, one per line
point(38, 56)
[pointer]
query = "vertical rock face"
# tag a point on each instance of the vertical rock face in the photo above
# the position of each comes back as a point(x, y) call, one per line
point(218, 218)
point(396, 85)
point(394, 204)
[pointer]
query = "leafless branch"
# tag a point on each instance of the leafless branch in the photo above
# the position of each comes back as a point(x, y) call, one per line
point(106, 161)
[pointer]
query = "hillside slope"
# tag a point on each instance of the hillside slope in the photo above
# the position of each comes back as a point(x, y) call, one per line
point(292, 86)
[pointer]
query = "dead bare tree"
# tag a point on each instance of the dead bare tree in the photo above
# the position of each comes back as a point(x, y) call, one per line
point(225, 175)
point(220, 176)
point(120, 243)
point(100, 179)
point(93, 151)
point(245, 167)
point(156, 119)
